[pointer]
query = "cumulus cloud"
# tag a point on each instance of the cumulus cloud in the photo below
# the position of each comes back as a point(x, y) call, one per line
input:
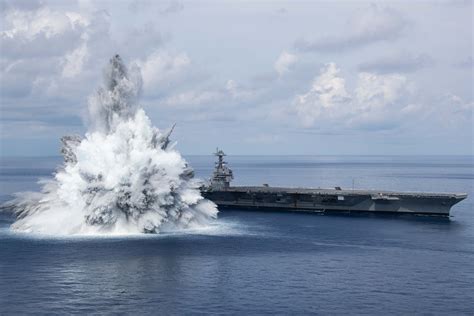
point(401, 63)
point(162, 68)
point(39, 33)
point(238, 92)
point(284, 62)
point(193, 98)
point(375, 103)
point(73, 62)
point(45, 65)
point(50, 53)
point(376, 24)
point(380, 100)
point(211, 98)
point(44, 45)
point(326, 98)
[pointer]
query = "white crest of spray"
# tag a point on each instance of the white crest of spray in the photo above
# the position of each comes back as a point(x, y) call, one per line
point(123, 177)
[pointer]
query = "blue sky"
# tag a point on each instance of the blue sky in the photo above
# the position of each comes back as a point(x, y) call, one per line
point(252, 77)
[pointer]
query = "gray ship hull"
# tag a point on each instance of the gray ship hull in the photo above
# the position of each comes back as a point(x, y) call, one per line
point(334, 200)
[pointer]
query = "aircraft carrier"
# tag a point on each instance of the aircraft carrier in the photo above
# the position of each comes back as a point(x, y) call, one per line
point(335, 200)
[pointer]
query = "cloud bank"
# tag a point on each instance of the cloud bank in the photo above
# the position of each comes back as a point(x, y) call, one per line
point(352, 68)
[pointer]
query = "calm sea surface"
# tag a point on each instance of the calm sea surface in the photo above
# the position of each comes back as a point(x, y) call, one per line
point(250, 263)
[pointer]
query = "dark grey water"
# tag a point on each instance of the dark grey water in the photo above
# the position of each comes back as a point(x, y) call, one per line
point(255, 262)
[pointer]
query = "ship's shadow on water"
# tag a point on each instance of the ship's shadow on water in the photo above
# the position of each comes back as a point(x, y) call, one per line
point(415, 218)
point(249, 262)
point(234, 233)
point(7, 218)
point(229, 220)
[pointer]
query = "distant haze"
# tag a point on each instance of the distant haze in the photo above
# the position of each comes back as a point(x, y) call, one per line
point(265, 77)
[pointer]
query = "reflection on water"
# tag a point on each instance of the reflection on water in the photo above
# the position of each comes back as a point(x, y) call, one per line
point(258, 262)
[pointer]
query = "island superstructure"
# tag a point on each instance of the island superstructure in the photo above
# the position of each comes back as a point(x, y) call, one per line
point(318, 200)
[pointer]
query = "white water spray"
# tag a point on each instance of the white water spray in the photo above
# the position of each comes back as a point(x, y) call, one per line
point(123, 177)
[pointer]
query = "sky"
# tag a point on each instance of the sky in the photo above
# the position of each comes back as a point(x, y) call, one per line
point(250, 77)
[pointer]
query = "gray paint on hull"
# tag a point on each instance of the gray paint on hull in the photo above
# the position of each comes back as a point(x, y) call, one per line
point(332, 200)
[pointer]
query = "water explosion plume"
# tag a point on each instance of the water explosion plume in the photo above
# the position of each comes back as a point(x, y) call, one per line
point(124, 176)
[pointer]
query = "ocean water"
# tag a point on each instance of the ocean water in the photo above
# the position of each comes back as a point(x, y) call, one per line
point(258, 262)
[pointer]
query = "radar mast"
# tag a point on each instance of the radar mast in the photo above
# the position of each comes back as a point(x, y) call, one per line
point(222, 174)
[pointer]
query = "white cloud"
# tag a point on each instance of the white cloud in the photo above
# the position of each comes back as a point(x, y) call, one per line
point(284, 62)
point(377, 91)
point(378, 23)
point(212, 99)
point(161, 67)
point(46, 61)
point(193, 98)
point(397, 63)
point(41, 32)
point(238, 92)
point(326, 98)
point(29, 24)
point(53, 53)
point(73, 62)
point(377, 99)
point(381, 100)
point(374, 24)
